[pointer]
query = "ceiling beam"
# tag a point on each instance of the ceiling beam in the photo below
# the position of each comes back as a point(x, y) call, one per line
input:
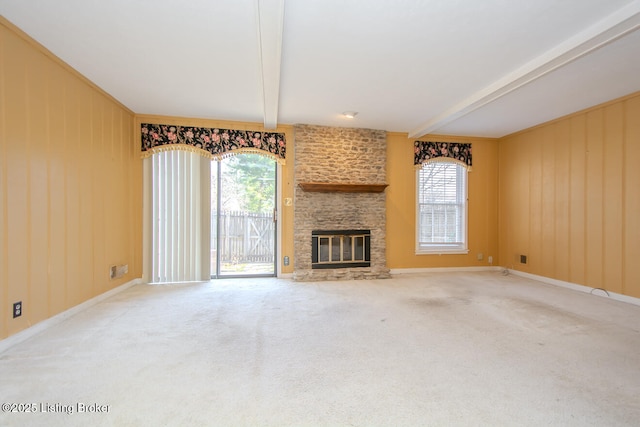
point(270, 14)
point(624, 21)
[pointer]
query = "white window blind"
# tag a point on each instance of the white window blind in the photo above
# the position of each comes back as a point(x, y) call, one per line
point(442, 208)
point(176, 217)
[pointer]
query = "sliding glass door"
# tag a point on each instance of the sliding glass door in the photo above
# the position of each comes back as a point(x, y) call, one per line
point(243, 217)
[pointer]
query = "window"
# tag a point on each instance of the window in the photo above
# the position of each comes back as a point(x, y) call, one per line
point(441, 217)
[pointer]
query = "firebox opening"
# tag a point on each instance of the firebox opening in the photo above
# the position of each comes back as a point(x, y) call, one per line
point(340, 248)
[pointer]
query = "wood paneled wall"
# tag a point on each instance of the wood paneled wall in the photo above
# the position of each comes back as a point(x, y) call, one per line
point(569, 198)
point(70, 185)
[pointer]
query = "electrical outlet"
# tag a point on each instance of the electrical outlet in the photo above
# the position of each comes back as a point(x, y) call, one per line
point(286, 260)
point(17, 309)
point(480, 256)
point(490, 259)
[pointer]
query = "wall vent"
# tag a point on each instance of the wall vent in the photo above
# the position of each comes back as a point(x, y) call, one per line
point(117, 271)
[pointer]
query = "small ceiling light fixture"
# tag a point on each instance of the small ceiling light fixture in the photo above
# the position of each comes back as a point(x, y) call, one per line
point(350, 114)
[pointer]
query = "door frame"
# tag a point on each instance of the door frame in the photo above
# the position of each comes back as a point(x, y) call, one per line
point(277, 237)
point(205, 195)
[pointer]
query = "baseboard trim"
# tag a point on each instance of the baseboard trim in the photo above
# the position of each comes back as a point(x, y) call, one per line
point(25, 334)
point(576, 287)
point(285, 276)
point(394, 271)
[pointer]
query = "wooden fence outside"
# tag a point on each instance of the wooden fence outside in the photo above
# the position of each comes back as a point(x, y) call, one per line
point(245, 237)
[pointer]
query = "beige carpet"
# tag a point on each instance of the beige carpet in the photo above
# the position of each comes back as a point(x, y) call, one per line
point(433, 349)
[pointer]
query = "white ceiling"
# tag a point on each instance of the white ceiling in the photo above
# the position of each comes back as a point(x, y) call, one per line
point(459, 67)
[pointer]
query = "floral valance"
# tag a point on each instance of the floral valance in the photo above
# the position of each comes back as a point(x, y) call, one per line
point(427, 151)
point(213, 142)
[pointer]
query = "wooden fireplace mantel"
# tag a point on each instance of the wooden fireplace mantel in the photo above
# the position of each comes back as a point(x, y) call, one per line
point(332, 187)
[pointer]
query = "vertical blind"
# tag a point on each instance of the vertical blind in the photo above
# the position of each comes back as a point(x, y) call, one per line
point(177, 218)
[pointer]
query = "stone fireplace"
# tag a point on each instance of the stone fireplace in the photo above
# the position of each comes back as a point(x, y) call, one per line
point(340, 204)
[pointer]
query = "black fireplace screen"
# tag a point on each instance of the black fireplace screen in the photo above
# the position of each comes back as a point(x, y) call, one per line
point(340, 248)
